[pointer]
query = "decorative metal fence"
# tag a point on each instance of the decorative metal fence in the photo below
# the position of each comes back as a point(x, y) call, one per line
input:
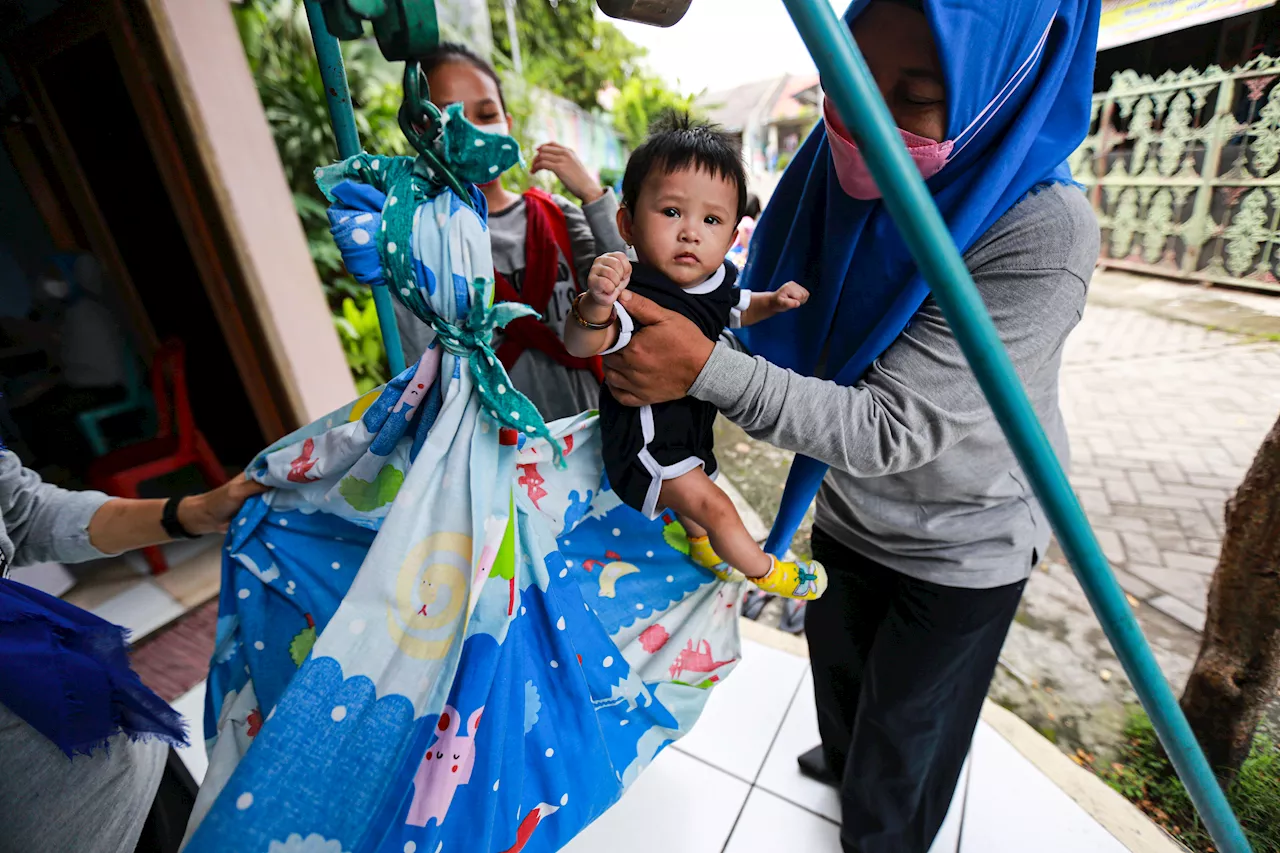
point(1183, 172)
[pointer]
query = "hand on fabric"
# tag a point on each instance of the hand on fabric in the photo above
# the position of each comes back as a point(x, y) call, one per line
point(123, 524)
point(663, 359)
point(565, 165)
point(212, 512)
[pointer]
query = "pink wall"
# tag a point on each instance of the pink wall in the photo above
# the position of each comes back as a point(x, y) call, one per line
point(218, 94)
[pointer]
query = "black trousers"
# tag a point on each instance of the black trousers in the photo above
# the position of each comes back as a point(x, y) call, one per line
point(900, 668)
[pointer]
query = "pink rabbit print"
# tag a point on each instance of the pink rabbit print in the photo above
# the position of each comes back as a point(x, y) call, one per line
point(446, 766)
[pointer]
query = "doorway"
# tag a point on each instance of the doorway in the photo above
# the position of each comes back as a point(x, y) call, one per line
point(110, 167)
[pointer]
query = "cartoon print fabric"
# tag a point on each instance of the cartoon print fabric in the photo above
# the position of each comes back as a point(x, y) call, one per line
point(431, 636)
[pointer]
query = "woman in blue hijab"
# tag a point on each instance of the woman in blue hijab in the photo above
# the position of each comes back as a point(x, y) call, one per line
point(925, 522)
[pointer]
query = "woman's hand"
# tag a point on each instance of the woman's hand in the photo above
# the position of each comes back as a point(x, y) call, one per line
point(566, 166)
point(122, 524)
point(212, 512)
point(663, 359)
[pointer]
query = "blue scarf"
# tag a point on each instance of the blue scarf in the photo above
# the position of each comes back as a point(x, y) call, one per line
point(66, 673)
point(863, 282)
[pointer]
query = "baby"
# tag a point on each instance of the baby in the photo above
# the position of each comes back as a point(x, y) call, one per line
point(683, 195)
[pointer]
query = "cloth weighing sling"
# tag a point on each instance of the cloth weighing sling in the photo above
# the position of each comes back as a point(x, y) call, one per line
point(431, 637)
point(546, 232)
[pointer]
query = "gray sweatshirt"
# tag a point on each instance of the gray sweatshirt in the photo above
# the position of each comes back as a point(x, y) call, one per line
point(593, 230)
point(922, 479)
point(42, 523)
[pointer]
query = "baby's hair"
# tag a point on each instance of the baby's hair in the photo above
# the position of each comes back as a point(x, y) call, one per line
point(449, 51)
point(677, 141)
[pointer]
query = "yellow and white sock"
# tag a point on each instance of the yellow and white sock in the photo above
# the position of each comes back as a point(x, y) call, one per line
point(701, 552)
point(804, 581)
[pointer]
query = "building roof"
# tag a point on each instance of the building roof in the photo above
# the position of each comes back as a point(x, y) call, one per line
point(734, 108)
point(799, 96)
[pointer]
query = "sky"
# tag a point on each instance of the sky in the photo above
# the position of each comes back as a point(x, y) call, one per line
point(723, 43)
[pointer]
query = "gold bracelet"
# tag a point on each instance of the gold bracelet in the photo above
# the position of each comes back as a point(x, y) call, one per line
point(576, 314)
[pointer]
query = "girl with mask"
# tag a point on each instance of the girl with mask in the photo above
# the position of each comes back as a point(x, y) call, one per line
point(543, 245)
point(925, 522)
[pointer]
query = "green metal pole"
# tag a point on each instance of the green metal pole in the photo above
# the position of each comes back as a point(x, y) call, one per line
point(851, 86)
point(343, 117)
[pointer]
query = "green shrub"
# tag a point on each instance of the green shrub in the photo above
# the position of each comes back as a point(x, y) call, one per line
point(362, 342)
point(1145, 776)
point(277, 43)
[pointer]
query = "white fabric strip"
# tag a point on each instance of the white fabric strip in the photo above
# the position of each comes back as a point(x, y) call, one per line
point(626, 326)
point(735, 315)
point(1001, 97)
point(708, 286)
point(658, 473)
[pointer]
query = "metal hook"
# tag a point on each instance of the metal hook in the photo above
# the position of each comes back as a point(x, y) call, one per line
point(420, 122)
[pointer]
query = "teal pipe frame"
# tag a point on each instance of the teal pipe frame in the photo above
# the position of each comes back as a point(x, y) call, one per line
point(849, 83)
point(333, 74)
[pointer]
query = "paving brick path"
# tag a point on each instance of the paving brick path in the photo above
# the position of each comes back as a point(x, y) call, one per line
point(1164, 419)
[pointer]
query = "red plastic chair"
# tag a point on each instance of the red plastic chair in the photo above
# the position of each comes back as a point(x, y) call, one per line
point(177, 443)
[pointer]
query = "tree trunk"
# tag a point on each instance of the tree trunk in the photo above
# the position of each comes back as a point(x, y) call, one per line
point(1238, 666)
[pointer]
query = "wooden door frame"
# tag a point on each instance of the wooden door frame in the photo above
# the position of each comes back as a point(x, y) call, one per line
point(140, 67)
point(43, 187)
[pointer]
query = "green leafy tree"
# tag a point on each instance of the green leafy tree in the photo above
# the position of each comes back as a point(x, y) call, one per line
point(640, 101)
point(565, 49)
point(277, 44)
point(361, 337)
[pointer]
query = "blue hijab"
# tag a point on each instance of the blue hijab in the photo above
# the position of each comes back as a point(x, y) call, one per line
point(1019, 78)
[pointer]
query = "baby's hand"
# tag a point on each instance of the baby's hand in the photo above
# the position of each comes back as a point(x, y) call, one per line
point(789, 296)
point(609, 276)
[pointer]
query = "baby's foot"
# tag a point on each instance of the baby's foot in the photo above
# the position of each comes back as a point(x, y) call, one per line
point(701, 552)
point(805, 581)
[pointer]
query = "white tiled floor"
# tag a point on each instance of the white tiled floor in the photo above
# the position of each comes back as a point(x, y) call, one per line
point(771, 823)
point(732, 786)
point(191, 706)
point(142, 608)
point(51, 578)
point(1014, 806)
point(745, 713)
point(798, 734)
point(123, 590)
point(682, 803)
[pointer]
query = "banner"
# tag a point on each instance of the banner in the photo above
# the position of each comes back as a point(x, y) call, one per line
point(1127, 21)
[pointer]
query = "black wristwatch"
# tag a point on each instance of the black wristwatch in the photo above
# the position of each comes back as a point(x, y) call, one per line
point(169, 521)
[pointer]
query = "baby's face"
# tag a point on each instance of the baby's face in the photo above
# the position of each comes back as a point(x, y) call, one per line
point(683, 223)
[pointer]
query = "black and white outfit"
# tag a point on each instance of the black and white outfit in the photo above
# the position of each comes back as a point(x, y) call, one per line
point(645, 446)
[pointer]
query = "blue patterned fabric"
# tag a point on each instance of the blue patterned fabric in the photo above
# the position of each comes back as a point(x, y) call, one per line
point(433, 638)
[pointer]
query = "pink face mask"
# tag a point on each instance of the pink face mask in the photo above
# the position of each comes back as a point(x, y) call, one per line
point(851, 168)
point(928, 155)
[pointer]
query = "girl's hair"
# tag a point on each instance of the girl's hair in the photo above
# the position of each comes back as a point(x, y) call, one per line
point(676, 142)
point(753, 206)
point(448, 51)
